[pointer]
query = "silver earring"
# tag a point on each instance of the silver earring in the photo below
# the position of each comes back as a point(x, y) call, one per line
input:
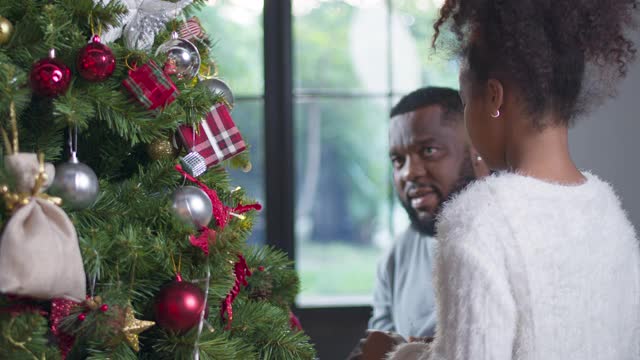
point(496, 115)
point(479, 158)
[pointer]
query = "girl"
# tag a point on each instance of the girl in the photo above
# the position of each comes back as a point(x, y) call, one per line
point(538, 261)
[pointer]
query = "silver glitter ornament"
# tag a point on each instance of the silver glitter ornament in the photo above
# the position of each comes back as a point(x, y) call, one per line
point(192, 205)
point(218, 86)
point(144, 20)
point(76, 184)
point(182, 57)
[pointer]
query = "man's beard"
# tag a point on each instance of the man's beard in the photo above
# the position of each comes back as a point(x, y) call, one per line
point(428, 226)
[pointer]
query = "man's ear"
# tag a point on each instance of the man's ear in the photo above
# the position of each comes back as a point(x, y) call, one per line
point(480, 168)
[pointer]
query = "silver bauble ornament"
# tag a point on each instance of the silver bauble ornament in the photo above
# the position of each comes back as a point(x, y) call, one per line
point(76, 184)
point(182, 57)
point(192, 205)
point(218, 86)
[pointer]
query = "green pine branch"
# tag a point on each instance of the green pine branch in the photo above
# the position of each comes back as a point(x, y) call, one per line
point(24, 337)
point(268, 328)
point(278, 282)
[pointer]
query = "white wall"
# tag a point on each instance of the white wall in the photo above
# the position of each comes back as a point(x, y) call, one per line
point(608, 140)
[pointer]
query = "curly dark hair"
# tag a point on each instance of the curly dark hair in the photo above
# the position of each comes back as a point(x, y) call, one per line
point(545, 48)
point(447, 98)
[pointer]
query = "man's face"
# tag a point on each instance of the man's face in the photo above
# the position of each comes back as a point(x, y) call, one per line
point(430, 159)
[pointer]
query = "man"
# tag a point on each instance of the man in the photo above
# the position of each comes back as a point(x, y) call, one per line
point(432, 160)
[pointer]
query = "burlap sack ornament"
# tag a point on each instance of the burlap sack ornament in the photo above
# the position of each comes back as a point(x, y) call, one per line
point(39, 251)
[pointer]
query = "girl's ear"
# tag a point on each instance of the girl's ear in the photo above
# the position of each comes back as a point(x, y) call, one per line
point(495, 96)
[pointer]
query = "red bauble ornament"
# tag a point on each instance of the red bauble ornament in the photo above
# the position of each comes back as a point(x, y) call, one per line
point(178, 305)
point(49, 76)
point(96, 61)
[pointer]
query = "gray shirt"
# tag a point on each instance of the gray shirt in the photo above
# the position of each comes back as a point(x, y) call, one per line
point(403, 297)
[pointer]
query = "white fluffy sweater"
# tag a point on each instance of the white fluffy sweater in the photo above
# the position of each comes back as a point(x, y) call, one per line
point(531, 270)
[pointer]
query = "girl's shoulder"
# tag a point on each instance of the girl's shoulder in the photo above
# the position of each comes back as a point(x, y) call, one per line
point(469, 213)
point(487, 205)
point(473, 203)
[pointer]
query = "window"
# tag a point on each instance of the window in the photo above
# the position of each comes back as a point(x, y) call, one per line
point(350, 61)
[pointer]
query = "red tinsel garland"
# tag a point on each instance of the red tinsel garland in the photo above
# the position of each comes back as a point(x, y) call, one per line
point(241, 209)
point(201, 241)
point(61, 308)
point(220, 211)
point(294, 322)
point(241, 271)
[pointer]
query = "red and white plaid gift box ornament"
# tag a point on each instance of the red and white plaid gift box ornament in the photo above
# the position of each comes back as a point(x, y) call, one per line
point(152, 87)
point(191, 29)
point(216, 139)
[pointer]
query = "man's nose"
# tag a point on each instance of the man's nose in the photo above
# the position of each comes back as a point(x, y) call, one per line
point(414, 168)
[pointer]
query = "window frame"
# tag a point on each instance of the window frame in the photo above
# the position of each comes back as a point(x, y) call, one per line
point(279, 99)
point(278, 129)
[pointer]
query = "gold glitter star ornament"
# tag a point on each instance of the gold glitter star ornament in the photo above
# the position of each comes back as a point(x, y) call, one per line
point(132, 327)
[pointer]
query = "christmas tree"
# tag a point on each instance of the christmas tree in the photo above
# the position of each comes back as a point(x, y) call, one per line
point(135, 247)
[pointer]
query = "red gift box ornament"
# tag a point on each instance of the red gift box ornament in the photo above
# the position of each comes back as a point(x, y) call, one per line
point(216, 139)
point(151, 86)
point(191, 29)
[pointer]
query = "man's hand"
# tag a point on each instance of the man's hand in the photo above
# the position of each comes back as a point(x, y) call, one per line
point(356, 353)
point(379, 344)
point(376, 345)
point(426, 339)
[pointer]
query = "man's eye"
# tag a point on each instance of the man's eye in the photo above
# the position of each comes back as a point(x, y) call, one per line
point(397, 162)
point(430, 151)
